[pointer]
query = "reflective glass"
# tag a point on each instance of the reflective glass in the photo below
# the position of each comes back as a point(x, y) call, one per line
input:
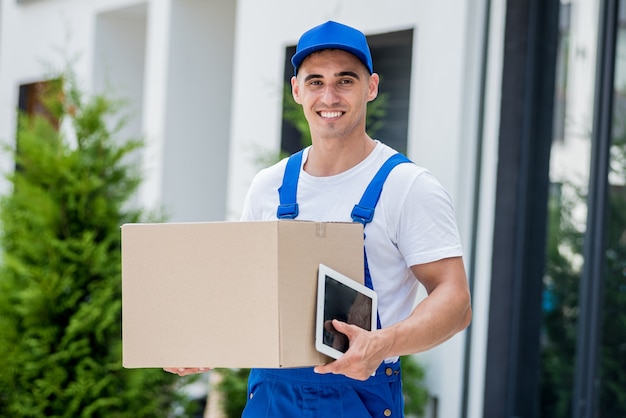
point(567, 208)
point(569, 178)
point(612, 396)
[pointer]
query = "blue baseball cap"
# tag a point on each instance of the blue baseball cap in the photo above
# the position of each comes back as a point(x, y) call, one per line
point(333, 35)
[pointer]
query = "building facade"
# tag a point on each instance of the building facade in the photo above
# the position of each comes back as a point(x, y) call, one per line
point(512, 104)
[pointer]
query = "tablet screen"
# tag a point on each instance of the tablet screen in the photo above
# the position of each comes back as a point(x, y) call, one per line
point(346, 300)
point(345, 304)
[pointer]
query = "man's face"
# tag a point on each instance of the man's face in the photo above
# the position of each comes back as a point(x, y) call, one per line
point(334, 87)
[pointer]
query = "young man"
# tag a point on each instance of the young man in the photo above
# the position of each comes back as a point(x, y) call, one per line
point(412, 238)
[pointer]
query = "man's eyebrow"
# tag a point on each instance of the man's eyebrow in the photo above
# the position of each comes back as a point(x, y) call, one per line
point(348, 74)
point(339, 74)
point(312, 76)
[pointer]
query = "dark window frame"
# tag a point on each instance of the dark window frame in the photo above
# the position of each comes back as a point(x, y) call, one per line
point(526, 128)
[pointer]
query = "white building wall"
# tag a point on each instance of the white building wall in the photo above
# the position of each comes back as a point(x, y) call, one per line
point(198, 109)
point(486, 198)
point(37, 37)
point(171, 59)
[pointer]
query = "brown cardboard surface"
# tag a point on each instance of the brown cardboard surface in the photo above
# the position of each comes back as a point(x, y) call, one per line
point(228, 294)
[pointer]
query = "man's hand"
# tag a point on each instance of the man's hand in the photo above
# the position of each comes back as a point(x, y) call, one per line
point(184, 371)
point(363, 357)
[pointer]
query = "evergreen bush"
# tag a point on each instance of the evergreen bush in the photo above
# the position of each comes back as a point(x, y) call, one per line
point(60, 276)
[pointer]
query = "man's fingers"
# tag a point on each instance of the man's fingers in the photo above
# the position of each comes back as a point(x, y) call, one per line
point(345, 328)
point(322, 369)
point(184, 371)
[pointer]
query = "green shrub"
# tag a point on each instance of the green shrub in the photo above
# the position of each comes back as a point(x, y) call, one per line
point(60, 276)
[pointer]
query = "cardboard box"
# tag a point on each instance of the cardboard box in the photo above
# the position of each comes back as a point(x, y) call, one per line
point(228, 294)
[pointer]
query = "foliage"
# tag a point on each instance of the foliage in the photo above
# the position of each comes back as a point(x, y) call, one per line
point(233, 388)
point(60, 278)
point(415, 392)
point(294, 115)
point(560, 305)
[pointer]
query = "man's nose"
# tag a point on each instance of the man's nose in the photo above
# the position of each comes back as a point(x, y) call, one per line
point(330, 95)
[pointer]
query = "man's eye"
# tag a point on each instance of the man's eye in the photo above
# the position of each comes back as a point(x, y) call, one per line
point(346, 81)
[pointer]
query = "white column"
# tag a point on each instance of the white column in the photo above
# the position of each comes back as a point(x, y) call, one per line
point(155, 101)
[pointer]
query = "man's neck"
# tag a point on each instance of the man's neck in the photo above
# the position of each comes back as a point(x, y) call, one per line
point(329, 157)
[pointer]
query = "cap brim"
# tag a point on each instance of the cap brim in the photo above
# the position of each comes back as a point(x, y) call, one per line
point(298, 57)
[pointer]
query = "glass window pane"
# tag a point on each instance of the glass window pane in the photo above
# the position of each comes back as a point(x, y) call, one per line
point(567, 209)
point(612, 400)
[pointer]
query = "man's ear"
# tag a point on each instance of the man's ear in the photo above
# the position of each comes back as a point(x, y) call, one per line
point(295, 89)
point(372, 92)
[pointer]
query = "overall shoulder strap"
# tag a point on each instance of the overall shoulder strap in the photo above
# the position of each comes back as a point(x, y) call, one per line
point(288, 208)
point(363, 212)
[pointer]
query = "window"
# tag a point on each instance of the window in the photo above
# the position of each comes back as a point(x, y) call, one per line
point(31, 100)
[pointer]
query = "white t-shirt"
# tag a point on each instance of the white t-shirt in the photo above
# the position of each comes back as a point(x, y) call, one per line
point(413, 223)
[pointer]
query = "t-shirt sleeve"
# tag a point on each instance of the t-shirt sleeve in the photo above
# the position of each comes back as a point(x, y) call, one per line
point(261, 201)
point(248, 213)
point(427, 228)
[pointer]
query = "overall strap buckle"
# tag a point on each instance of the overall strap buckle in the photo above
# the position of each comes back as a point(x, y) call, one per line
point(363, 212)
point(288, 208)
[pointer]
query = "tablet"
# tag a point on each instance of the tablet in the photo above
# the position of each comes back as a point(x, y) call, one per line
point(339, 297)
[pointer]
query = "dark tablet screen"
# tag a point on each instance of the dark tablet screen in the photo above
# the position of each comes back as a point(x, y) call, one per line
point(345, 304)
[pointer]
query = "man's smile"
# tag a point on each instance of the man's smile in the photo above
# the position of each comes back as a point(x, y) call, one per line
point(329, 114)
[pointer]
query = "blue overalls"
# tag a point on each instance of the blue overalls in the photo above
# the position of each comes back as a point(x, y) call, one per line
point(303, 393)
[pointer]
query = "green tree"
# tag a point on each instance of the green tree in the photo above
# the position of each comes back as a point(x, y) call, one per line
point(560, 305)
point(60, 277)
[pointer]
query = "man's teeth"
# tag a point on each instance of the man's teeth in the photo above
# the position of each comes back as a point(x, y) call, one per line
point(330, 114)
